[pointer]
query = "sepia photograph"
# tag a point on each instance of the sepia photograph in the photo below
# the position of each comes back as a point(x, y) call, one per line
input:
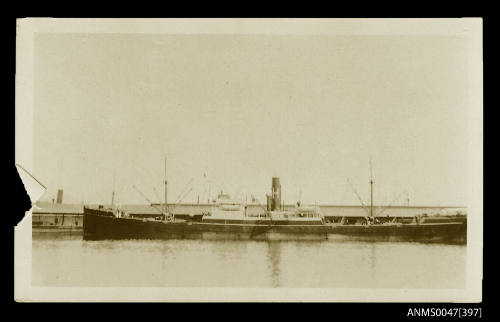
point(260, 160)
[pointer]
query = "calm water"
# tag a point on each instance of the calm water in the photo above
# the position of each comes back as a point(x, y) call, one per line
point(69, 261)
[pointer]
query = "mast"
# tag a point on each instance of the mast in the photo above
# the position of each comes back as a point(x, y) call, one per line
point(113, 192)
point(371, 189)
point(165, 181)
point(371, 198)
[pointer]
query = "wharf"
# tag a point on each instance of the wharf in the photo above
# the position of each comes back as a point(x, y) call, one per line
point(70, 216)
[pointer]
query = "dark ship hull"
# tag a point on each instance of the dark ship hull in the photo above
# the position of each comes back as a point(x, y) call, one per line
point(102, 224)
point(445, 232)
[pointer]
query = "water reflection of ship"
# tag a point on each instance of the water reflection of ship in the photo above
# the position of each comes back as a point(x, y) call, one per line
point(373, 258)
point(274, 257)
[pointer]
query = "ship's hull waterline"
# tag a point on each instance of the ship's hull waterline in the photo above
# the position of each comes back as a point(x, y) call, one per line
point(100, 224)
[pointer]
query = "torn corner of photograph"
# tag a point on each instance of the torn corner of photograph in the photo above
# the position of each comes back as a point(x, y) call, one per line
point(34, 187)
point(22, 238)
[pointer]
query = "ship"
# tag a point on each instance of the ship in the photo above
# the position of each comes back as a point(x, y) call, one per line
point(229, 220)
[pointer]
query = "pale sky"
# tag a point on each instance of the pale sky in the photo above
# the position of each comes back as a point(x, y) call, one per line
point(244, 108)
